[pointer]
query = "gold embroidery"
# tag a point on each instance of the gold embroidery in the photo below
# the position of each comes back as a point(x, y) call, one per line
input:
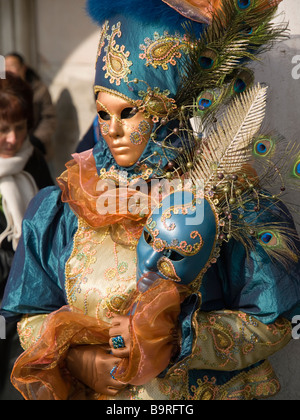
point(103, 34)
point(98, 89)
point(30, 329)
point(228, 340)
point(116, 61)
point(84, 254)
point(163, 50)
point(167, 269)
point(258, 383)
point(100, 274)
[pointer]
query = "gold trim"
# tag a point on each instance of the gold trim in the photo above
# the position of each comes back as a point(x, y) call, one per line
point(69, 283)
point(197, 282)
point(260, 382)
point(98, 89)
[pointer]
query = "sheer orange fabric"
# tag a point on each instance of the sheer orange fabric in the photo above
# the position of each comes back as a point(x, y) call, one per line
point(82, 191)
point(153, 333)
point(40, 372)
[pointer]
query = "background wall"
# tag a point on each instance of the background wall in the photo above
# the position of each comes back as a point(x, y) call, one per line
point(67, 45)
point(280, 70)
point(61, 42)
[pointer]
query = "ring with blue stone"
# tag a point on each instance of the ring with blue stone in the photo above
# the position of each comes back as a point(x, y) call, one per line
point(118, 342)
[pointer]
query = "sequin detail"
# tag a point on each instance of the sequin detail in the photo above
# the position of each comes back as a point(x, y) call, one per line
point(163, 50)
point(116, 61)
point(100, 274)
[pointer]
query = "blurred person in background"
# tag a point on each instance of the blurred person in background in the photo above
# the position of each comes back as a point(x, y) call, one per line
point(23, 172)
point(44, 120)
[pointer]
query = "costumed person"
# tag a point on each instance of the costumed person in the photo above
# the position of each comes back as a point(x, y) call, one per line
point(23, 172)
point(44, 118)
point(117, 304)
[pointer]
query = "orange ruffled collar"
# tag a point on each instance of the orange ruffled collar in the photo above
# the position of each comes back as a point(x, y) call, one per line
point(79, 185)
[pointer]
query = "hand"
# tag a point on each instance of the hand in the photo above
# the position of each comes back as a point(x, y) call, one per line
point(120, 327)
point(92, 366)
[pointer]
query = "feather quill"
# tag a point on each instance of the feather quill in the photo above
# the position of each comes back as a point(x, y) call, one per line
point(228, 147)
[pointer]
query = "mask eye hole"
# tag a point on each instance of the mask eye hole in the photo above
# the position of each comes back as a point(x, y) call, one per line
point(173, 255)
point(104, 115)
point(128, 113)
point(148, 237)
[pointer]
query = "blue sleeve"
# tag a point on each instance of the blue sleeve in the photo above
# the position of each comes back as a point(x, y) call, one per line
point(258, 284)
point(36, 281)
point(252, 282)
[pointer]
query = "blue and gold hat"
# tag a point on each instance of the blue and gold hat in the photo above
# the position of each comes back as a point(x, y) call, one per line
point(139, 59)
point(140, 52)
point(177, 59)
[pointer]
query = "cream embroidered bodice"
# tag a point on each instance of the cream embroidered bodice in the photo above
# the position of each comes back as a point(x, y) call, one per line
point(100, 274)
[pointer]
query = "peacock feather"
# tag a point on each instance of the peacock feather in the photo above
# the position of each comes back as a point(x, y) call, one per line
point(223, 167)
point(295, 169)
point(238, 33)
point(277, 160)
point(279, 243)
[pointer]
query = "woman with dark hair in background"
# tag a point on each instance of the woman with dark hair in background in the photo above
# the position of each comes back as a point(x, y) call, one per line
point(23, 172)
point(44, 121)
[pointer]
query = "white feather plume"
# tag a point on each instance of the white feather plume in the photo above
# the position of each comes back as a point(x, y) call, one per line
point(229, 147)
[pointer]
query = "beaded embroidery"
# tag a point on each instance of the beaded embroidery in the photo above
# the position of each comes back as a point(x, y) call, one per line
point(138, 136)
point(163, 50)
point(103, 34)
point(259, 382)
point(167, 269)
point(100, 274)
point(183, 247)
point(116, 61)
point(122, 177)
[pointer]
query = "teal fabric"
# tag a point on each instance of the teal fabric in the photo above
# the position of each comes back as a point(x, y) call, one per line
point(255, 285)
point(36, 282)
point(135, 33)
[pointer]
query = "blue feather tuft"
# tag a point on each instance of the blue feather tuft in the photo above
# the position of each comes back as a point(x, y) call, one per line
point(144, 10)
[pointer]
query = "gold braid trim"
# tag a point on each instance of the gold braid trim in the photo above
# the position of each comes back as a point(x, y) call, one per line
point(98, 89)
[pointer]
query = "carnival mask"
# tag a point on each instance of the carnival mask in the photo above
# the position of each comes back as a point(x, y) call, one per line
point(179, 240)
point(124, 128)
